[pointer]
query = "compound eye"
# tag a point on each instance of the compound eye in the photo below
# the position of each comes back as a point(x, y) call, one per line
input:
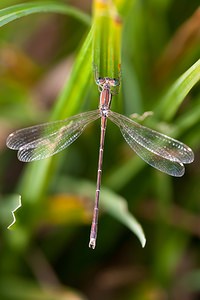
point(98, 80)
point(115, 82)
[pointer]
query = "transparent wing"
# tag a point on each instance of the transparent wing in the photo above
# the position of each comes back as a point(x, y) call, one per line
point(41, 141)
point(160, 151)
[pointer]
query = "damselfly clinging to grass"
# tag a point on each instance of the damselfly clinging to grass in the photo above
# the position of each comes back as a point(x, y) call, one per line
point(160, 151)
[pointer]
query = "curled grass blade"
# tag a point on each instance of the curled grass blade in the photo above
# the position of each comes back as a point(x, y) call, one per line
point(117, 207)
point(111, 202)
point(21, 10)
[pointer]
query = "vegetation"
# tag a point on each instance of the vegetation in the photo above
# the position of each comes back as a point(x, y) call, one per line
point(46, 55)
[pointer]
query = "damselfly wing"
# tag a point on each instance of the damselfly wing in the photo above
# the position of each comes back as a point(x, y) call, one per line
point(44, 140)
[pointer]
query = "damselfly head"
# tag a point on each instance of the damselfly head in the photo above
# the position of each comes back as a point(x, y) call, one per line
point(107, 81)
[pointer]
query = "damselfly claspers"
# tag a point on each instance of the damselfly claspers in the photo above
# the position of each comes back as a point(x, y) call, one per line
point(158, 150)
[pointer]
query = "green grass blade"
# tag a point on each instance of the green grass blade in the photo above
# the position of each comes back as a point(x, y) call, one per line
point(21, 10)
point(120, 175)
point(107, 39)
point(171, 101)
point(72, 95)
point(107, 43)
point(187, 120)
point(124, 6)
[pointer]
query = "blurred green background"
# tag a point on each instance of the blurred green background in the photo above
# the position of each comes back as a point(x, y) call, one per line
point(46, 73)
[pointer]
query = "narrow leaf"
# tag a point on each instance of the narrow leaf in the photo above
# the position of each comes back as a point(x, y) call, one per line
point(171, 101)
point(116, 206)
point(107, 39)
point(107, 43)
point(38, 174)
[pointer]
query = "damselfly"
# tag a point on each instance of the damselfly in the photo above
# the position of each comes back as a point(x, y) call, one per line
point(158, 150)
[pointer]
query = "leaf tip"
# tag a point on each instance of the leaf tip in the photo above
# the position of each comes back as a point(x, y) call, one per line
point(143, 242)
